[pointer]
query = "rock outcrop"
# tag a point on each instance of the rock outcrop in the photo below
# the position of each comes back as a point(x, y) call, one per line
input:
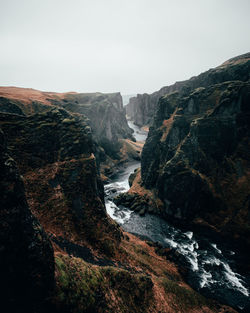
point(106, 117)
point(105, 113)
point(54, 152)
point(98, 267)
point(195, 162)
point(142, 108)
point(26, 254)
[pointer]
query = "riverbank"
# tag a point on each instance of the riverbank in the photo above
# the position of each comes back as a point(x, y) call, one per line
point(209, 267)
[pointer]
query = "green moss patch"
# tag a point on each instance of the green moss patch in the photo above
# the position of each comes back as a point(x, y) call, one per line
point(78, 285)
point(82, 287)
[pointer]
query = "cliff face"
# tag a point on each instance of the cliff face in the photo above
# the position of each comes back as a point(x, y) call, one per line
point(26, 255)
point(142, 108)
point(106, 117)
point(54, 152)
point(105, 112)
point(98, 267)
point(196, 158)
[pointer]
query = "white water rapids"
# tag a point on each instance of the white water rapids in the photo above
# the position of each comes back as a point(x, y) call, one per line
point(211, 268)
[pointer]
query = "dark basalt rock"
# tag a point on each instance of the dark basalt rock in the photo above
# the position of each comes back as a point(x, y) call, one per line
point(196, 158)
point(132, 177)
point(105, 116)
point(10, 106)
point(45, 138)
point(26, 255)
point(142, 108)
point(105, 112)
point(54, 152)
point(62, 189)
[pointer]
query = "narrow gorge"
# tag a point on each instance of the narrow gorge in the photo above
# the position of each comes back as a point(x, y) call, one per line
point(150, 214)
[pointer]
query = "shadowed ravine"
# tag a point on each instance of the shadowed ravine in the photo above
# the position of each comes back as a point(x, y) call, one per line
point(209, 266)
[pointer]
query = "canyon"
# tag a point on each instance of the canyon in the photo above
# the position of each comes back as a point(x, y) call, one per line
point(195, 162)
point(142, 107)
point(76, 199)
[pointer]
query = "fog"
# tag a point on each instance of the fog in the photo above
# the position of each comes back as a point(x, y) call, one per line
point(131, 46)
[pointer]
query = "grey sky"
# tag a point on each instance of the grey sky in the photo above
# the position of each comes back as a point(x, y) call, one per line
point(132, 46)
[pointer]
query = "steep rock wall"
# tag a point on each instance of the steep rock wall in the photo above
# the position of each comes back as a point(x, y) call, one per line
point(106, 117)
point(105, 113)
point(26, 255)
point(196, 157)
point(98, 268)
point(142, 108)
point(54, 152)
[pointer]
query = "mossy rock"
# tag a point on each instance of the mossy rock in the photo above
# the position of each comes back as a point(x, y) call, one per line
point(78, 285)
point(84, 288)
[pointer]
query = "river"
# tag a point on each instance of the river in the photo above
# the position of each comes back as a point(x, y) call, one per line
point(211, 266)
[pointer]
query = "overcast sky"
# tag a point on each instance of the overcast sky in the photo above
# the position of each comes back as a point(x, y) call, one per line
point(131, 46)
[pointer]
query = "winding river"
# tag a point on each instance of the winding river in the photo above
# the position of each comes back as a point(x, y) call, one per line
point(211, 266)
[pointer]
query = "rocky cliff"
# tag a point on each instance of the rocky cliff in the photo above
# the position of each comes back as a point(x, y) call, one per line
point(54, 152)
point(105, 112)
point(142, 108)
point(98, 267)
point(106, 117)
point(26, 255)
point(195, 162)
